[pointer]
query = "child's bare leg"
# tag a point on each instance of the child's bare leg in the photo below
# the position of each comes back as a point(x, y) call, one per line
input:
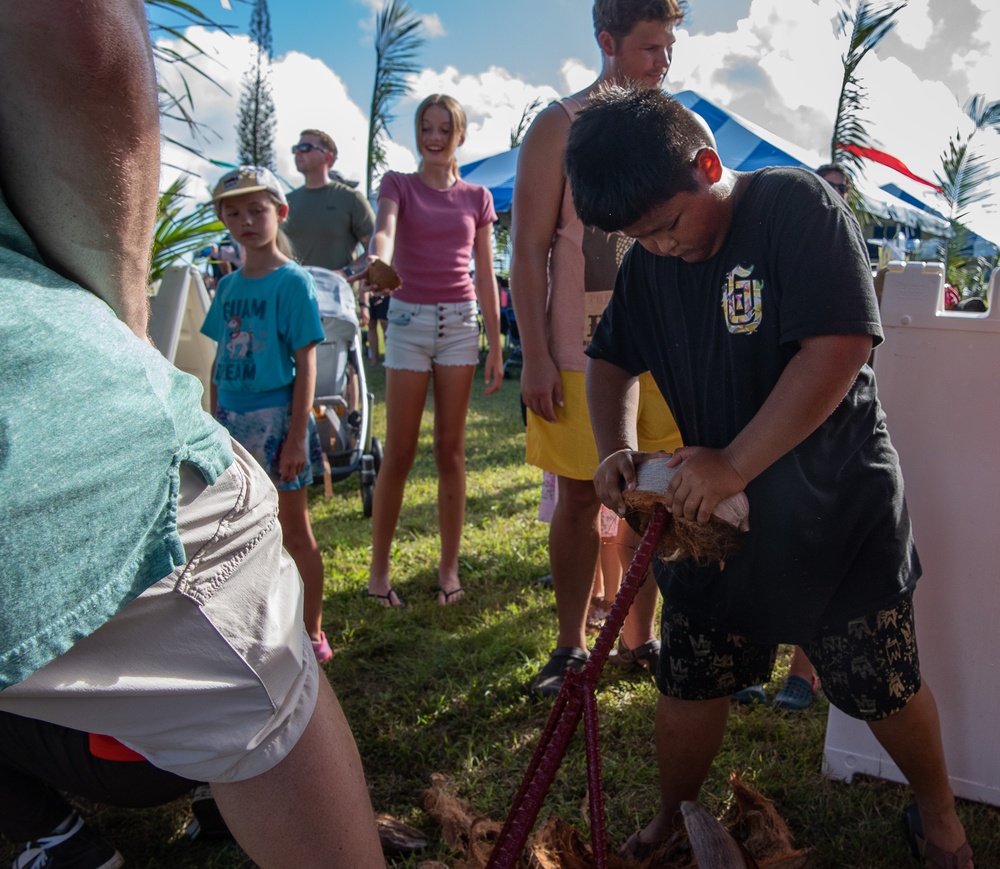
point(688, 736)
point(800, 665)
point(452, 390)
point(640, 624)
point(297, 536)
point(312, 809)
point(912, 737)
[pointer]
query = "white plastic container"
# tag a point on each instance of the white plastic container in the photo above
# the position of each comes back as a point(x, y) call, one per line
point(938, 376)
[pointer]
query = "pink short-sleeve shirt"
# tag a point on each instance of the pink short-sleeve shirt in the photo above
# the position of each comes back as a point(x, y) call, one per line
point(435, 232)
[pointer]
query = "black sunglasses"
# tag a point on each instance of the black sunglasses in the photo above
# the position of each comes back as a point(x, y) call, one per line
point(306, 147)
point(840, 188)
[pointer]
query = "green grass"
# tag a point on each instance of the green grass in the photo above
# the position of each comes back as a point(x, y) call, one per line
point(442, 689)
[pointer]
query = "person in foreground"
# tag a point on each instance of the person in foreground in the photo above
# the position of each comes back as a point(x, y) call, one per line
point(563, 273)
point(749, 297)
point(146, 595)
point(430, 225)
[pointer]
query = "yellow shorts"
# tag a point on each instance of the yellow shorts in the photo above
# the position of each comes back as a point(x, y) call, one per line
point(568, 448)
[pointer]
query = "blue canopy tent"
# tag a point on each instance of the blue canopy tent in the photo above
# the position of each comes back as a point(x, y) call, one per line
point(743, 146)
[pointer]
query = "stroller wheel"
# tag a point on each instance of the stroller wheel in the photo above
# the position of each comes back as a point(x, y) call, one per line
point(377, 453)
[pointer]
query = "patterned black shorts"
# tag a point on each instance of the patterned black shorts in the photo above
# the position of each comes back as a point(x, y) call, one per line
point(868, 666)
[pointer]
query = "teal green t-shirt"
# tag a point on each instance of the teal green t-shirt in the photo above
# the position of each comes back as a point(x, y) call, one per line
point(94, 425)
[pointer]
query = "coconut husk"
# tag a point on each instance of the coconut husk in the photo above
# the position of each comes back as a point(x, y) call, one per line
point(751, 823)
point(383, 277)
point(684, 539)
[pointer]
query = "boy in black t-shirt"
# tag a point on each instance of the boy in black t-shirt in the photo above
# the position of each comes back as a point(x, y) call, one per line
point(749, 298)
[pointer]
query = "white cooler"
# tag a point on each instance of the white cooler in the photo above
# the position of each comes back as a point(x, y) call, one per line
point(938, 376)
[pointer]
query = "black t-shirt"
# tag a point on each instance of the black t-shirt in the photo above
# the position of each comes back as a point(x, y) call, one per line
point(829, 535)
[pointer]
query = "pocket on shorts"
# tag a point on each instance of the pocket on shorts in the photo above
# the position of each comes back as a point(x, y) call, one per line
point(397, 317)
point(224, 525)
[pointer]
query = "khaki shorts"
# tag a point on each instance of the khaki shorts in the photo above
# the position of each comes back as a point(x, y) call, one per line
point(209, 673)
point(568, 448)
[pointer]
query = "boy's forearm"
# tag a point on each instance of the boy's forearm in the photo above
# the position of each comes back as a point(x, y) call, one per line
point(810, 388)
point(613, 399)
point(79, 141)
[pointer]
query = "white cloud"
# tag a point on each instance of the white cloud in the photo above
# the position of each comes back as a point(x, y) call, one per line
point(306, 94)
point(493, 101)
point(576, 75)
point(914, 24)
point(433, 27)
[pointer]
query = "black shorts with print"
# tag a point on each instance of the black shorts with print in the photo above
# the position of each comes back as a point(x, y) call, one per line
point(868, 666)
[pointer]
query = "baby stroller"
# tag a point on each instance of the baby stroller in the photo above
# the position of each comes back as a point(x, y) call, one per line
point(346, 436)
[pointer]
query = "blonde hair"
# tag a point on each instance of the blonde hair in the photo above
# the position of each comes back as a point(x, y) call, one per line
point(458, 121)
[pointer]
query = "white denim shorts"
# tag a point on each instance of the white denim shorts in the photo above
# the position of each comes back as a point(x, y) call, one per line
point(209, 673)
point(421, 336)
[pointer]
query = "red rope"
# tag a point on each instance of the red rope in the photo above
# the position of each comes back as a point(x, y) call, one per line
point(576, 698)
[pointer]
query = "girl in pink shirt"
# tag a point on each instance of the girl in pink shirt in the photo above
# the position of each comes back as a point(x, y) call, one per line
point(430, 225)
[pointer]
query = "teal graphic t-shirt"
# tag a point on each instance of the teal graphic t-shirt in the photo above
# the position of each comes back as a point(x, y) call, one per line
point(258, 324)
point(94, 424)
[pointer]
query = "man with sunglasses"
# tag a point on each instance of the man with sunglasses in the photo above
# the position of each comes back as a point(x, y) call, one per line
point(834, 175)
point(327, 219)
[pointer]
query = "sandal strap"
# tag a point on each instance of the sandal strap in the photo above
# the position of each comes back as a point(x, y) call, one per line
point(571, 652)
point(940, 859)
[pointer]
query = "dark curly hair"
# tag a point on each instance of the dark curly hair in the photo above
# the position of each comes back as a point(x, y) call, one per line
point(628, 151)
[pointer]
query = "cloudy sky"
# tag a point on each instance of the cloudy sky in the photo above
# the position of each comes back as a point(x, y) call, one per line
point(776, 62)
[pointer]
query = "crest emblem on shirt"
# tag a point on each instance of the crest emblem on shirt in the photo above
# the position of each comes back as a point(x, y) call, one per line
point(741, 301)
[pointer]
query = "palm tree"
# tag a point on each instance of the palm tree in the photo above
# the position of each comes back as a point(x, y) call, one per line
point(869, 22)
point(178, 233)
point(255, 127)
point(397, 41)
point(966, 178)
point(177, 105)
point(180, 230)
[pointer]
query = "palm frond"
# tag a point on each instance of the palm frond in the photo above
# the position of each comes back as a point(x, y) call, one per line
point(868, 22)
point(398, 41)
point(178, 104)
point(178, 231)
point(527, 116)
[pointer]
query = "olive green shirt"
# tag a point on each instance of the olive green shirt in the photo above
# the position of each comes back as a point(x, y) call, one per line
point(326, 224)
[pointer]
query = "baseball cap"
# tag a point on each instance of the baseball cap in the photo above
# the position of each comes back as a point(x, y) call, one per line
point(248, 179)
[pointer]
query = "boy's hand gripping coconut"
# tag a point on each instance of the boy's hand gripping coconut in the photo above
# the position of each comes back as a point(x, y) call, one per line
point(683, 538)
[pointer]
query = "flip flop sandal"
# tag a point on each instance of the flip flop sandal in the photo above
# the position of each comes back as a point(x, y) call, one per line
point(448, 594)
point(400, 603)
point(923, 850)
point(637, 850)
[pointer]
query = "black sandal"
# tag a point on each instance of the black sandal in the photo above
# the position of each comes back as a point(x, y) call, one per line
point(935, 857)
point(646, 656)
point(400, 603)
point(448, 594)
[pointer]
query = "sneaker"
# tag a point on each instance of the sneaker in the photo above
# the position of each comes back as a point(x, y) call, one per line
point(563, 658)
point(321, 649)
point(208, 823)
point(72, 845)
